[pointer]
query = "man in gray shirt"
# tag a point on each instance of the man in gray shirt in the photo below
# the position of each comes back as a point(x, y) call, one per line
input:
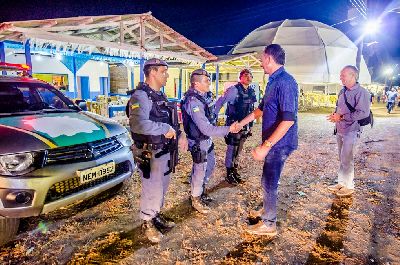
point(347, 127)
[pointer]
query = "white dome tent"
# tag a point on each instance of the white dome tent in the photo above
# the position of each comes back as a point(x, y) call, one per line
point(315, 52)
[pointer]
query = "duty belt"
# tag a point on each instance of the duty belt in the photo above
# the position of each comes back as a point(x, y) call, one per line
point(146, 146)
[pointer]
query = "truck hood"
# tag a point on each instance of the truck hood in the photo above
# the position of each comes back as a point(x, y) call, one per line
point(52, 130)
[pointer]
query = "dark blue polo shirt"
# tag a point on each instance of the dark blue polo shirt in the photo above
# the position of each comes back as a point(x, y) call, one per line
point(280, 103)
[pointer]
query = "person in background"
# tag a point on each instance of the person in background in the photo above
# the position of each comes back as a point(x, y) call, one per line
point(391, 99)
point(240, 100)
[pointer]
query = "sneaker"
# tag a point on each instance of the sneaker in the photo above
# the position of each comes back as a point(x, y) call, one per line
point(344, 192)
point(199, 205)
point(161, 223)
point(262, 229)
point(335, 188)
point(151, 232)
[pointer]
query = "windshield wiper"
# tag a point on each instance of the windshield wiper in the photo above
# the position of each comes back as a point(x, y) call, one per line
point(20, 113)
point(58, 110)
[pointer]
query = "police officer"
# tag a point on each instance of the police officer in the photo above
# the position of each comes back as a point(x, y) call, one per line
point(240, 100)
point(154, 132)
point(199, 121)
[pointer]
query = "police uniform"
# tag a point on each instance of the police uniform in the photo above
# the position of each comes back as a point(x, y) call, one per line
point(150, 118)
point(240, 103)
point(199, 121)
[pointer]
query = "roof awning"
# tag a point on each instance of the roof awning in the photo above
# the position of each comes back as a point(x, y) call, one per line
point(237, 62)
point(130, 36)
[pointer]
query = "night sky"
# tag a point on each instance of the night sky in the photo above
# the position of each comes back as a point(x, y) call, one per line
point(218, 25)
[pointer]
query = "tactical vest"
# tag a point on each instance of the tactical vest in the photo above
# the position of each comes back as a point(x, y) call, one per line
point(160, 112)
point(242, 106)
point(191, 129)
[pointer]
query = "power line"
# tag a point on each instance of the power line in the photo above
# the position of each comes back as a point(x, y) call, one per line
point(359, 9)
point(362, 3)
point(220, 46)
point(344, 21)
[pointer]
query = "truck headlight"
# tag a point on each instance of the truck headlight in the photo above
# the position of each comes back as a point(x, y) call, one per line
point(125, 139)
point(18, 164)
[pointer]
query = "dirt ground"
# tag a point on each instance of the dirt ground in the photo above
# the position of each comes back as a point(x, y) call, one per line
point(315, 227)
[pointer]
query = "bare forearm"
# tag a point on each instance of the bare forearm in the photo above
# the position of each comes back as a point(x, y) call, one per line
point(257, 113)
point(280, 131)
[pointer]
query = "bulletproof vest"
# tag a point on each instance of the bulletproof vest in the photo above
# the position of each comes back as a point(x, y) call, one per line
point(191, 129)
point(242, 106)
point(160, 112)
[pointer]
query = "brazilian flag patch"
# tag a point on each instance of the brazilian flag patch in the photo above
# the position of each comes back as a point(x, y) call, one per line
point(196, 109)
point(135, 106)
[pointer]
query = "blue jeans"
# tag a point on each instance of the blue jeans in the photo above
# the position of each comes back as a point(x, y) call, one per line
point(390, 106)
point(272, 169)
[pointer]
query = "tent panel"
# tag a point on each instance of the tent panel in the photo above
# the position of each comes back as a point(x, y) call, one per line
point(335, 38)
point(297, 36)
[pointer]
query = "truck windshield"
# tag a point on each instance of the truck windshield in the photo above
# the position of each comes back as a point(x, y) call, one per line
point(23, 97)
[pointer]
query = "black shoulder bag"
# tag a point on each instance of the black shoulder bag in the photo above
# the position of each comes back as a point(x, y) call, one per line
point(362, 122)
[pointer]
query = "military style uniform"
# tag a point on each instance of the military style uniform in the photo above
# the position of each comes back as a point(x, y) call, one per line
point(151, 116)
point(240, 103)
point(199, 121)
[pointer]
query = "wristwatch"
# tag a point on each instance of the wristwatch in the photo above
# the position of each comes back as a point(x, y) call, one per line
point(268, 144)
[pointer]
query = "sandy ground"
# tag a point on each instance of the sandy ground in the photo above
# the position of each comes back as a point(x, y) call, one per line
point(315, 227)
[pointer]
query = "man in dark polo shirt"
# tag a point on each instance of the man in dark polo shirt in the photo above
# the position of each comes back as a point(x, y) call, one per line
point(278, 109)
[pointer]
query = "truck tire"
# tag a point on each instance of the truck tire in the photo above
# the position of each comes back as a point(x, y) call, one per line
point(8, 229)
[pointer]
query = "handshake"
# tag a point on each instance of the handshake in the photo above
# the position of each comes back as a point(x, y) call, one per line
point(235, 127)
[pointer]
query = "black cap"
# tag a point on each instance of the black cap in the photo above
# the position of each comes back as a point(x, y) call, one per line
point(200, 72)
point(155, 62)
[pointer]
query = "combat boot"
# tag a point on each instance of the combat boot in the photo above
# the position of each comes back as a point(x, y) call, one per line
point(230, 176)
point(236, 175)
point(199, 205)
point(161, 223)
point(206, 198)
point(151, 232)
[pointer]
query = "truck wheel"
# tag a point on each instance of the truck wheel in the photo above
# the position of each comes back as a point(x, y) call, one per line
point(8, 229)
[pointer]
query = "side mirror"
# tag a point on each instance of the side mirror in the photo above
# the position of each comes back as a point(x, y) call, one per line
point(83, 105)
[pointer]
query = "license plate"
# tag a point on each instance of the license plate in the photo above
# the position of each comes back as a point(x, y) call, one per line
point(94, 173)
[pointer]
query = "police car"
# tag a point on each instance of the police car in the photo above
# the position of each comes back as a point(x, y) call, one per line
point(52, 153)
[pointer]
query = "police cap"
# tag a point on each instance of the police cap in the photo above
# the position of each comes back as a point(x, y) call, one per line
point(200, 72)
point(155, 62)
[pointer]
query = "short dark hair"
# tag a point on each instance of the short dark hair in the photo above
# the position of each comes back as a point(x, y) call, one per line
point(245, 71)
point(277, 53)
point(147, 69)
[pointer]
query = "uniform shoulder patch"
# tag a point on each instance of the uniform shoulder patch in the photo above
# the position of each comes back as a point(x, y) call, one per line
point(135, 106)
point(196, 109)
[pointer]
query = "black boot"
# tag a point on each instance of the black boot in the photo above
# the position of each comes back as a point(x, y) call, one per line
point(161, 223)
point(205, 198)
point(230, 176)
point(236, 175)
